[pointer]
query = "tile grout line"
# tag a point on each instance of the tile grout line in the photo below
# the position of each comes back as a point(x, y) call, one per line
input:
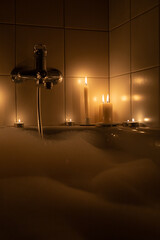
point(84, 29)
point(136, 71)
point(131, 84)
point(133, 18)
point(87, 77)
point(64, 60)
point(109, 84)
point(104, 77)
point(159, 64)
point(15, 63)
point(54, 27)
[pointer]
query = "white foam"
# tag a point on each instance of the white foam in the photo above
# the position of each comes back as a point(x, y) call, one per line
point(68, 187)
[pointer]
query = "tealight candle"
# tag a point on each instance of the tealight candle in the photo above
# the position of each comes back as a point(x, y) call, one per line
point(70, 122)
point(19, 123)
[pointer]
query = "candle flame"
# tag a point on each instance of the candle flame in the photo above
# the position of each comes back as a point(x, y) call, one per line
point(103, 98)
point(85, 80)
point(19, 120)
point(132, 119)
point(107, 98)
point(70, 120)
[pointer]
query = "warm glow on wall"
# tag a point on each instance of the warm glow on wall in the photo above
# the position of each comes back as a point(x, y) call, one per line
point(95, 99)
point(137, 97)
point(2, 98)
point(79, 81)
point(124, 98)
point(139, 81)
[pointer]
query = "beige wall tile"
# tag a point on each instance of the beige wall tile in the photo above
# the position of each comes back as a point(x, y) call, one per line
point(53, 105)
point(139, 6)
point(43, 13)
point(119, 12)
point(7, 48)
point(75, 98)
point(86, 53)
point(53, 39)
point(7, 101)
point(146, 96)
point(145, 40)
point(26, 102)
point(91, 14)
point(120, 97)
point(27, 37)
point(120, 50)
point(7, 11)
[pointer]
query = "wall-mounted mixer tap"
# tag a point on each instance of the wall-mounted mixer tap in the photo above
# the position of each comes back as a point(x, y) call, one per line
point(42, 77)
point(40, 74)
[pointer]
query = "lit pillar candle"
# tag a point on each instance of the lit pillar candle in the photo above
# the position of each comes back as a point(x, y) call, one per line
point(86, 100)
point(101, 110)
point(95, 110)
point(107, 111)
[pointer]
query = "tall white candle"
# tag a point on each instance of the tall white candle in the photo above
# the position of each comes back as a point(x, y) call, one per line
point(86, 99)
point(107, 111)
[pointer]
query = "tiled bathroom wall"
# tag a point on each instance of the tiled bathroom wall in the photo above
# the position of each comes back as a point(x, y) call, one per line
point(80, 37)
point(134, 60)
point(76, 36)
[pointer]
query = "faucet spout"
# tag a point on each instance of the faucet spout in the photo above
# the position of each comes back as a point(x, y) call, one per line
point(40, 54)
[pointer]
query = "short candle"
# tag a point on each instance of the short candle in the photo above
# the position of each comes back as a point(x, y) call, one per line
point(19, 123)
point(107, 111)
